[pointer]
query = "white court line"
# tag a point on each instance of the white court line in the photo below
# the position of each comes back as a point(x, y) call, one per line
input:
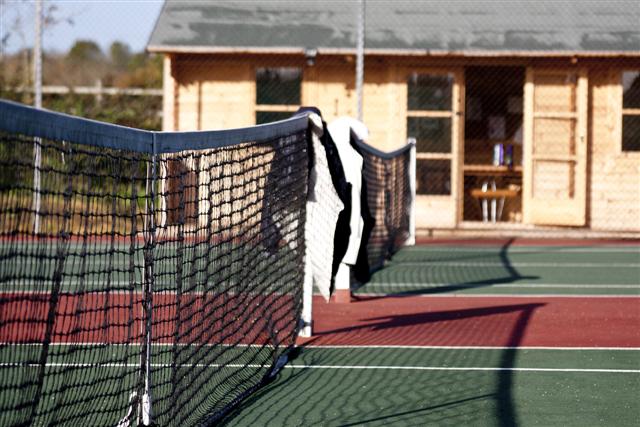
point(100, 282)
point(529, 249)
point(459, 294)
point(328, 367)
point(155, 345)
point(101, 292)
point(346, 346)
point(467, 347)
point(96, 287)
point(503, 285)
point(121, 365)
point(461, 368)
point(515, 264)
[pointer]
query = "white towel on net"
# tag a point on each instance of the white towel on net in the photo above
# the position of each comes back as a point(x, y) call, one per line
point(352, 162)
point(323, 208)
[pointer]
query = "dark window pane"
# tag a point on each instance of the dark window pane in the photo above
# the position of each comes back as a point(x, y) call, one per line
point(433, 135)
point(278, 86)
point(630, 133)
point(631, 87)
point(433, 177)
point(270, 116)
point(429, 92)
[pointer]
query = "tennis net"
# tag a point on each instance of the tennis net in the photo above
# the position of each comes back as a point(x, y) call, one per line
point(390, 195)
point(145, 277)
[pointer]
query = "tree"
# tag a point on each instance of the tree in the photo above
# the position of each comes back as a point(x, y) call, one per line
point(143, 70)
point(85, 51)
point(120, 55)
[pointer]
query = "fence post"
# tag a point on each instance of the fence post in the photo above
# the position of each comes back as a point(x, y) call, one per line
point(37, 92)
point(98, 92)
point(360, 55)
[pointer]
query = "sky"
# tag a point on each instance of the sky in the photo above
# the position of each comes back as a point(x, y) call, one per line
point(129, 21)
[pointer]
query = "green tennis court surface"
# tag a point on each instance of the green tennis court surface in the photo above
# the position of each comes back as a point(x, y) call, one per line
point(510, 270)
point(102, 376)
point(119, 266)
point(520, 353)
point(549, 337)
point(434, 386)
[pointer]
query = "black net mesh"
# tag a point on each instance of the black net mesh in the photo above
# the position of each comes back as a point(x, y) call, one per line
point(199, 254)
point(388, 193)
point(70, 304)
point(229, 266)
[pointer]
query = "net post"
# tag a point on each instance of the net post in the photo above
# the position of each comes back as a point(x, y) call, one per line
point(411, 239)
point(145, 400)
point(306, 326)
point(162, 218)
point(343, 284)
point(37, 192)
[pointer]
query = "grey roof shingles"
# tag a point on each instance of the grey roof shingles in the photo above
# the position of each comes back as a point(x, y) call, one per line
point(467, 27)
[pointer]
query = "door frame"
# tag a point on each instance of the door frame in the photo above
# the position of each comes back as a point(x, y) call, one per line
point(453, 201)
point(572, 211)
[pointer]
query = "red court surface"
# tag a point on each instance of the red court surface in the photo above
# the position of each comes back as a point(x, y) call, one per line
point(478, 321)
point(191, 318)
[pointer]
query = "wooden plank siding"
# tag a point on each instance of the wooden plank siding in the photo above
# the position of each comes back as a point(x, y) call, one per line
point(219, 92)
point(614, 187)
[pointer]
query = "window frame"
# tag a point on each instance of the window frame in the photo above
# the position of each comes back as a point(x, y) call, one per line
point(274, 108)
point(625, 112)
point(434, 114)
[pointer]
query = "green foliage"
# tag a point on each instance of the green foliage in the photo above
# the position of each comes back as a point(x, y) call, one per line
point(12, 156)
point(85, 51)
point(143, 70)
point(133, 111)
point(120, 55)
point(83, 65)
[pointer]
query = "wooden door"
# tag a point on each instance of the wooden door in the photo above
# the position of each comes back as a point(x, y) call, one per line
point(555, 139)
point(434, 100)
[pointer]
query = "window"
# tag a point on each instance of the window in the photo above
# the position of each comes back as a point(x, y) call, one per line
point(631, 111)
point(433, 177)
point(277, 93)
point(429, 120)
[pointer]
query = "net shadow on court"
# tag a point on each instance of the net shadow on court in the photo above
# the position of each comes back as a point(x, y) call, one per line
point(432, 269)
point(395, 396)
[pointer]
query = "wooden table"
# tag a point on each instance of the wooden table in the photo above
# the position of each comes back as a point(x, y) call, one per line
point(490, 170)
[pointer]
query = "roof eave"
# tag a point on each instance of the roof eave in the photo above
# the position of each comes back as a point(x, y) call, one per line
point(388, 52)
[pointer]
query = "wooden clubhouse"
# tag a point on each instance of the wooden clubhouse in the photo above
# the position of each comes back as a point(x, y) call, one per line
point(526, 114)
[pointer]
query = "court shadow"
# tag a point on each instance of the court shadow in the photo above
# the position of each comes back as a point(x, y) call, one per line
point(455, 279)
point(392, 322)
point(453, 398)
point(325, 385)
point(390, 418)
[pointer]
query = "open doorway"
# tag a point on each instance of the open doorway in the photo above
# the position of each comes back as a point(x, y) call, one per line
point(493, 144)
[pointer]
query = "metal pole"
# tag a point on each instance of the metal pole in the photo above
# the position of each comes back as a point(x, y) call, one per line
point(307, 298)
point(37, 57)
point(146, 401)
point(411, 240)
point(360, 55)
point(37, 91)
